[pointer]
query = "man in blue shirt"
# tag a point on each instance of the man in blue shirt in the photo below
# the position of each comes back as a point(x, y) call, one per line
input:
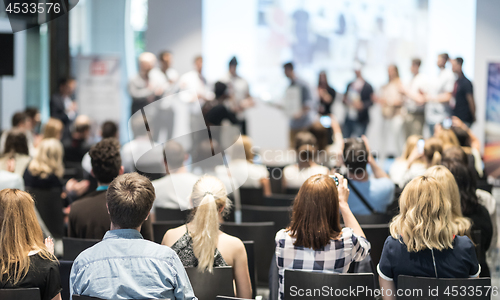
point(378, 191)
point(124, 265)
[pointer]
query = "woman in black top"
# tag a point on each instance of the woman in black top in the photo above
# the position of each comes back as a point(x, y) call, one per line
point(25, 260)
point(46, 169)
point(326, 95)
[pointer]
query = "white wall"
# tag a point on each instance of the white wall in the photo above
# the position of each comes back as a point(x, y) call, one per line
point(176, 26)
point(487, 47)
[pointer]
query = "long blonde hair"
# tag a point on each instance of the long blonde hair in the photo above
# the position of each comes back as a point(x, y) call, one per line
point(411, 143)
point(425, 217)
point(20, 233)
point(209, 196)
point(444, 176)
point(448, 138)
point(48, 159)
point(53, 129)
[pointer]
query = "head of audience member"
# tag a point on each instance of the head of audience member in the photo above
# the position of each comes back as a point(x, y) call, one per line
point(129, 200)
point(447, 137)
point(321, 135)
point(444, 176)
point(20, 233)
point(53, 129)
point(67, 86)
point(81, 128)
point(147, 62)
point(198, 63)
point(19, 121)
point(233, 63)
point(442, 60)
point(433, 151)
point(210, 202)
point(48, 159)
point(455, 154)
point(289, 72)
point(105, 160)
point(355, 158)
point(220, 91)
point(306, 155)
point(33, 117)
point(109, 129)
point(456, 65)
point(463, 136)
point(16, 143)
point(175, 157)
point(393, 72)
point(323, 80)
point(138, 128)
point(203, 151)
point(466, 182)
point(315, 217)
point(415, 66)
point(304, 138)
point(247, 145)
point(165, 60)
point(425, 220)
point(410, 145)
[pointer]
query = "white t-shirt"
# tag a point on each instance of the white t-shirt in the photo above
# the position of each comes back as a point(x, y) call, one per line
point(193, 80)
point(436, 112)
point(295, 178)
point(237, 88)
point(418, 83)
point(10, 180)
point(174, 190)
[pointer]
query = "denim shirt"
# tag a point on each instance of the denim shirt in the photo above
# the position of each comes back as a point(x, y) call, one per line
point(125, 266)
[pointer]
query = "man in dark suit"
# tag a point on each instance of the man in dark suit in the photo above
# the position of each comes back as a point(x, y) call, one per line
point(62, 105)
point(89, 216)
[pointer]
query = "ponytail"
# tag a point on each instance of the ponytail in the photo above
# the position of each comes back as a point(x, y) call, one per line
point(436, 159)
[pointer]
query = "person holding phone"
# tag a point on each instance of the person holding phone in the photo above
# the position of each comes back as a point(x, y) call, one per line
point(315, 234)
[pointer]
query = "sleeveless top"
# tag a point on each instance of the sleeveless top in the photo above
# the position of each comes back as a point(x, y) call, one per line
point(184, 249)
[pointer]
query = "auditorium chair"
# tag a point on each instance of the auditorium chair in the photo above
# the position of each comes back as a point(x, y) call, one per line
point(167, 214)
point(18, 294)
point(250, 249)
point(373, 219)
point(230, 298)
point(278, 200)
point(207, 286)
point(276, 173)
point(160, 227)
point(251, 196)
point(311, 281)
point(280, 215)
point(262, 233)
point(49, 204)
point(73, 246)
point(376, 234)
point(64, 272)
point(292, 191)
point(445, 288)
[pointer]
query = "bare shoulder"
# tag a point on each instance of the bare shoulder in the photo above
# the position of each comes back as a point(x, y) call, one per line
point(231, 242)
point(172, 235)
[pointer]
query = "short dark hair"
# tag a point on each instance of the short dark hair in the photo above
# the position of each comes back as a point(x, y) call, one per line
point(82, 128)
point(304, 138)
point(174, 154)
point(355, 155)
point(31, 112)
point(462, 136)
point(445, 56)
point(105, 159)
point(288, 65)
point(16, 142)
point(109, 129)
point(64, 81)
point(233, 61)
point(220, 89)
point(416, 61)
point(18, 118)
point(467, 183)
point(460, 61)
point(130, 198)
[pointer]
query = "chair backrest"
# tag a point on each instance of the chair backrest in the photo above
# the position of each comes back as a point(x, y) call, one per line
point(160, 227)
point(18, 294)
point(73, 247)
point(276, 173)
point(50, 205)
point(167, 214)
point(81, 297)
point(280, 215)
point(376, 234)
point(374, 219)
point(476, 238)
point(64, 272)
point(292, 191)
point(207, 286)
point(337, 283)
point(262, 233)
point(229, 298)
point(252, 196)
point(250, 249)
point(445, 288)
point(278, 200)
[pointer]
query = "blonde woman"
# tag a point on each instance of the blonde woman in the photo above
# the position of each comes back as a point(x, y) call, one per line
point(418, 162)
point(400, 165)
point(423, 241)
point(25, 260)
point(445, 177)
point(46, 169)
point(53, 129)
point(201, 244)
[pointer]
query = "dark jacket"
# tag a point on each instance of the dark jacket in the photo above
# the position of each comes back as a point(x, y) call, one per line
point(366, 98)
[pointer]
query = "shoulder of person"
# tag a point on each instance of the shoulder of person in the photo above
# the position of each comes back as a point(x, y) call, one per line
point(232, 242)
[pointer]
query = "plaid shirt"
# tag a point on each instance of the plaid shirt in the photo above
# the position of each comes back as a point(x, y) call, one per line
point(333, 258)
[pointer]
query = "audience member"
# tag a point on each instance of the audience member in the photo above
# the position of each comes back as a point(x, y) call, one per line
point(400, 165)
point(201, 244)
point(371, 194)
point(19, 122)
point(173, 190)
point(471, 209)
point(415, 248)
point(414, 102)
point(16, 152)
point(469, 143)
point(463, 105)
point(53, 129)
point(33, 118)
point(63, 106)
point(215, 111)
point(123, 265)
point(447, 137)
point(358, 98)
point(295, 175)
point(25, 260)
point(10, 180)
point(46, 169)
point(314, 233)
point(418, 162)
point(88, 217)
point(77, 146)
point(109, 129)
point(437, 107)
